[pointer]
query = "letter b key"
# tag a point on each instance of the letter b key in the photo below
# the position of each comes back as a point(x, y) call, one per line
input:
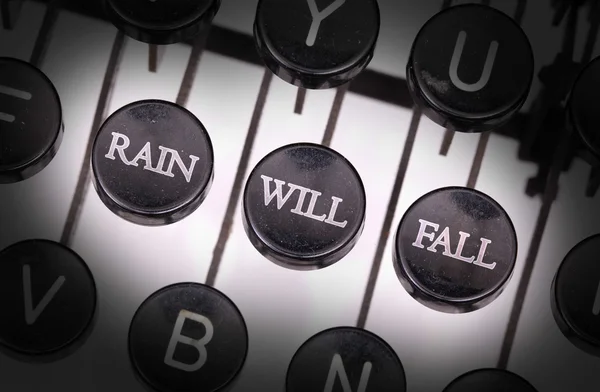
point(176, 346)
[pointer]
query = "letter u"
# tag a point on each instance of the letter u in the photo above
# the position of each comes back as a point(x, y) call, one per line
point(487, 69)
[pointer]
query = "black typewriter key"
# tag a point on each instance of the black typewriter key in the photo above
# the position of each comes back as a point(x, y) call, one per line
point(490, 380)
point(161, 22)
point(316, 44)
point(304, 206)
point(188, 337)
point(583, 113)
point(455, 250)
point(48, 302)
point(345, 358)
point(470, 68)
point(152, 163)
point(31, 127)
point(576, 296)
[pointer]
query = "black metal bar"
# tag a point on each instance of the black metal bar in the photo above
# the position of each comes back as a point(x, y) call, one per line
point(592, 33)
point(478, 159)
point(560, 156)
point(520, 12)
point(593, 181)
point(11, 10)
point(239, 179)
point(101, 112)
point(155, 56)
point(45, 34)
point(485, 137)
point(300, 98)
point(389, 217)
point(446, 142)
point(240, 46)
point(538, 233)
point(334, 115)
point(192, 68)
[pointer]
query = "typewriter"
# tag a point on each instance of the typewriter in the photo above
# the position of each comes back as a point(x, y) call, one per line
point(299, 195)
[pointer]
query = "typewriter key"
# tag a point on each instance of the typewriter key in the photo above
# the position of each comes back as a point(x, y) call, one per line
point(304, 206)
point(353, 358)
point(152, 162)
point(315, 44)
point(490, 380)
point(31, 127)
point(188, 337)
point(455, 250)
point(576, 296)
point(470, 68)
point(161, 22)
point(583, 106)
point(48, 302)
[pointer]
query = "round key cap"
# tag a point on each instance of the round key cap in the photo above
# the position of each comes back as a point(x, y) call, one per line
point(161, 22)
point(152, 163)
point(470, 68)
point(353, 358)
point(304, 206)
point(31, 127)
point(455, 250)
point(583, 113)
point(316, 44)
point(576, 296)
point(48, 302)
point(490, 380)
point(188, 337)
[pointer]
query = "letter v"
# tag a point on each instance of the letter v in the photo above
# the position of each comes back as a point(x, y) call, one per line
point(32, 314)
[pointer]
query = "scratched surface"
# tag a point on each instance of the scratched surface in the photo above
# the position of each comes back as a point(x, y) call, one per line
point(283, 308)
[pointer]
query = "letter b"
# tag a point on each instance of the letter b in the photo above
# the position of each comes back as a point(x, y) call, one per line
point(199, 344)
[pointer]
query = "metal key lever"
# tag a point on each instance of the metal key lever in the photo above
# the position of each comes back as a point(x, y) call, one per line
point(10, 10)
point(541, 135)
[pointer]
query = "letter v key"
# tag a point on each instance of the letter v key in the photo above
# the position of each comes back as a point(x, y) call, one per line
point(31, 313)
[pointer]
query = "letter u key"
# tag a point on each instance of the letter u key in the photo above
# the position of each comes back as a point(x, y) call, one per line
point(487, 69)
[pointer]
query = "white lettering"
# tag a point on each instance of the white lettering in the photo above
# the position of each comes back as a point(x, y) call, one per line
point(337, 369)
point(311, 207)
point(13, 92)
point(331, 217)
point(318, 17)
point(114, 146)
point(314, 196)
point(175, 158)
point(459, 248)
point(281, 200)
point(482, 248)
point(422, 228)
point(7, 117)
point(199, 344)
point(487, 69)
point(303, 192)
point(145, 154)
point(444, 240)
point(31, 313)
